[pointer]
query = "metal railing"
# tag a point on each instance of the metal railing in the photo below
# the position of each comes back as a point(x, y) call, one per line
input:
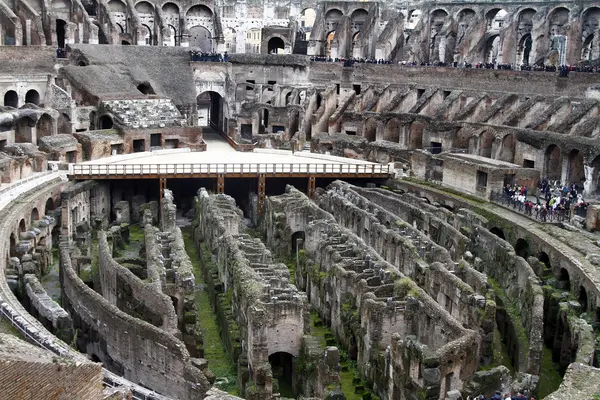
point(226, 168)
point(540, 213)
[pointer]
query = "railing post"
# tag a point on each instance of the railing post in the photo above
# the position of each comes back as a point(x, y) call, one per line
point(220, 183)
point(163, 185)
point(262, 183)
point(312, 184)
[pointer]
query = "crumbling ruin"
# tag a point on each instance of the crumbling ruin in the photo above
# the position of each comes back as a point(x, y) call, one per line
point(419, 281)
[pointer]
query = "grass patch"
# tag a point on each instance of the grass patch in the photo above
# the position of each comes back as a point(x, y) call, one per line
point(501, 356)
point(215, 353)
point(136, 233)
point(550, 377)
point(7, 328)
point(353, 386)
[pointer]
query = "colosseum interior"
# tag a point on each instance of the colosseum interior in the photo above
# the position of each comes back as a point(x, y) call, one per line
point(275, 199)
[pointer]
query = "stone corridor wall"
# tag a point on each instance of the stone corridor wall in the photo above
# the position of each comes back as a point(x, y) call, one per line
point(134, 348)
point(368, 303)
point(271, 313)
point(121, 288)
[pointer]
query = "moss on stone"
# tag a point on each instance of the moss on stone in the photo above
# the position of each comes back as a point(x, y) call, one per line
point(219, 362)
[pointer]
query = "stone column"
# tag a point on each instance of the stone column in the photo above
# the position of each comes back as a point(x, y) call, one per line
point(564, 174)
point(590, 184)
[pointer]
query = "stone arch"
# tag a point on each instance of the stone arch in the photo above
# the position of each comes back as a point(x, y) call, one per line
point(201, 38)
point(553, 162)
point(465, 18)
point(282, 367)
point(274, 44)
point(105, 122)
point(117, 6)
point(544, 258)
point(13, 245)
point(370, 130)
point(296, 237)
point(413, 18)
point(486, 140)
point(558, 20)
point(22, 225)
point(358, 19)
point(32, 96)
point(576, 169)
point(564, 279)
point(507, 151)
point(437, 21)
point(591, 25)
point(492, 49)
point(11, 99)
point(146, 33)
point(330, 38)
point(44, 126)
point(495, 19)
point(64, 124)
point(262, 115)
point(24, 130)
point(213, 105)
point(307, 21)
point(144, 7)
point(145, 88)
point(524, 50)
point(392, 131)
point(49, 206)
point(415, 135)
point(583, 299)
point(522, 248)
point(61, 32)
point(35, 215)
point(230, 40)
point(498, 232)
point(199, 10)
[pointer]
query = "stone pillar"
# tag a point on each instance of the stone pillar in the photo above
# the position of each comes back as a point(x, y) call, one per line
point(590, 184)
point(564, 173)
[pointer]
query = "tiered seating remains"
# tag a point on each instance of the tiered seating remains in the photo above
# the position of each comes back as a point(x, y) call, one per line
point(146, 113)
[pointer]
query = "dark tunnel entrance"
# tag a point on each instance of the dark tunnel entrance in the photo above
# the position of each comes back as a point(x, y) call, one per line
point(282, 365)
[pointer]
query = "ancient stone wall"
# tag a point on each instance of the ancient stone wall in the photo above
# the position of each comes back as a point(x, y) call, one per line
point(366, 300)
point(49, 312)
point(121, 288)
point(271, 313)
point(142, 352)
point(166, 258)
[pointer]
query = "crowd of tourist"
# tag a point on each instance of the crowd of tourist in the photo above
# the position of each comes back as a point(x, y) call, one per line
point(196, 55)
point(553, 201)
point(349, 62)
point(563, 70)
point(520, 395)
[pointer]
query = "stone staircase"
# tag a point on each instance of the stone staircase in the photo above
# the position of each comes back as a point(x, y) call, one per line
point(144, 114)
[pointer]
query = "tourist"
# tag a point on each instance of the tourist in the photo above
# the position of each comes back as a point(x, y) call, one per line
point(497, 396)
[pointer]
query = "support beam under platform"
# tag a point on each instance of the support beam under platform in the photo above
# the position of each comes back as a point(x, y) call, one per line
point(261, 193)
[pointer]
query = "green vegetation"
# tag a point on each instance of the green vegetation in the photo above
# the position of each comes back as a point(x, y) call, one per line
point(215, 353)
point(136, 234)
point(353, 386)
point(550, 377)
point(501, 356)
point(7, 328)
point(513, 313)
